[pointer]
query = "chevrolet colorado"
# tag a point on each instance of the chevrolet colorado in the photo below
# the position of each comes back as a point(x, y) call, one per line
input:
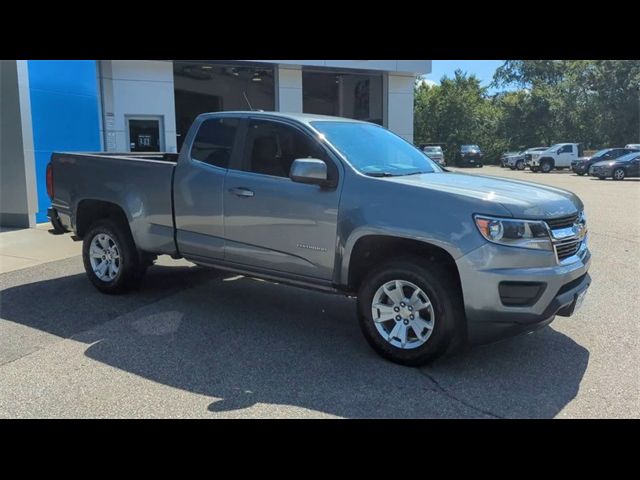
point(437, 260)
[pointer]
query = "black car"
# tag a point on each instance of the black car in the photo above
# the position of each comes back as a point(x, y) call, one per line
point(581, 166)
point(470, 156)
point(620, 168)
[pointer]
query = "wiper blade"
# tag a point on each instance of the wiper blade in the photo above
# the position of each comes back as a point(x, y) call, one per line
point(380, 174)
point(415, 173)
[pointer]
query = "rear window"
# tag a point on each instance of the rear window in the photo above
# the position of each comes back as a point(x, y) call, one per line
point(214, 141)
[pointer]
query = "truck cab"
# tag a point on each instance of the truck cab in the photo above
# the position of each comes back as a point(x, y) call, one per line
point(557, 157)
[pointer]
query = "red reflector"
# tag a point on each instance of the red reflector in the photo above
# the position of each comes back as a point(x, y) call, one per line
point(50, 181)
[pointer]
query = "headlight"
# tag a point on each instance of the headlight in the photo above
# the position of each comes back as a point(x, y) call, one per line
point(514, 233)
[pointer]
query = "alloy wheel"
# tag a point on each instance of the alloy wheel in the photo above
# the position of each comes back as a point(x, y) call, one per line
point(403, 314)
point(104, 256)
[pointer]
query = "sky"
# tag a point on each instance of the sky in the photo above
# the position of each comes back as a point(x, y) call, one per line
point(483, 69)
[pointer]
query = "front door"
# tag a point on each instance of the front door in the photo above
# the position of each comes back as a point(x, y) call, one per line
point(145, 135)
point(272, 222)
point(565, 155)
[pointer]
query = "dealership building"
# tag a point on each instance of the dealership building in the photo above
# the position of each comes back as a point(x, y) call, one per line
point(142, 105)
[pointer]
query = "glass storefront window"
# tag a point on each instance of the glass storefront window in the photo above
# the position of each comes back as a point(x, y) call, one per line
point(351, 95)
point(202, 87)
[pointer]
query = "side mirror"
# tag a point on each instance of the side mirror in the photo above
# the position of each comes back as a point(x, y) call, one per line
point(309, 170)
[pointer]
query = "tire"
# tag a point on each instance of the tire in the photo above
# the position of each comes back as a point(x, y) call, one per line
point(618, 174)
point(445, 314)
point(520, 165)
point(546, 166)
point(121, 252)
point(58, 228)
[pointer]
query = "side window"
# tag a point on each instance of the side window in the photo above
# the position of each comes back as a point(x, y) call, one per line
point(272, 147)
point(214, 141)
point(566, 149)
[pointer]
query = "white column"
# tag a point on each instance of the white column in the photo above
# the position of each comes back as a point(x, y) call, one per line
point(400, 105)
point(18, 190)
point(289, 89)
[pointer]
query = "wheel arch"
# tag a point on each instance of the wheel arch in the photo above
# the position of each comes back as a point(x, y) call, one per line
point(369, 249)
point(88, 211)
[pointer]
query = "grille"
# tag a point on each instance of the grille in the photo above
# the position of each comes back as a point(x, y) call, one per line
point(527, 157)
point(562, 222)
point(567, 248)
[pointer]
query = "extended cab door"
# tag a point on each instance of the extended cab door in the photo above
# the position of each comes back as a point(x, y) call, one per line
point(198, 186)
point(272, 222)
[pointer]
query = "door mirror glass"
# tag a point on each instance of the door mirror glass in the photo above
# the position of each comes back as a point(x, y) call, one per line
point(309, 170)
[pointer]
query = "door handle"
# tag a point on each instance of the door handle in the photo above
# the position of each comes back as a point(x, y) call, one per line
point(241, 192)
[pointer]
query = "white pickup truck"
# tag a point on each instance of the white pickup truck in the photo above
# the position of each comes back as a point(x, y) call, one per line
point(557, 156)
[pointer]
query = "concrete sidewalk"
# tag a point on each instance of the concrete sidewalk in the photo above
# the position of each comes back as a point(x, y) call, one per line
point(28, 247)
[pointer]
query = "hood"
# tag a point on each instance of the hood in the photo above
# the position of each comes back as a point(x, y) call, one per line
point(522, 199)
point(583, 159)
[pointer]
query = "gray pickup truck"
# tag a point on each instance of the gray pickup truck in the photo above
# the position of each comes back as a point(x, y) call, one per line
point(438, 260)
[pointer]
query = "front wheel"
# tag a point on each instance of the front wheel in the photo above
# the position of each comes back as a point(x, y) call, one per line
point(618, 174)
point(520, 165)
point(110, 258)
point(546, 167)
point(408, 311)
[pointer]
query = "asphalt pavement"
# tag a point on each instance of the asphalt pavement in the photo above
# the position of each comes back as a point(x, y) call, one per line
point(194, 342)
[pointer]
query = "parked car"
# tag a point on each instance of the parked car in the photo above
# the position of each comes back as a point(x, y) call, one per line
point(518, 161)
point(558, 156)
point(620, 168)
point(582, 165)
point(633, 146)
point(436, 154)
point(505, 156)
point(470, 156)
point(437, 260)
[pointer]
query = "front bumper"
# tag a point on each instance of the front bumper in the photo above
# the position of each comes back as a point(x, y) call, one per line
point(579, 168)
point(470, 161)
point(483, 270)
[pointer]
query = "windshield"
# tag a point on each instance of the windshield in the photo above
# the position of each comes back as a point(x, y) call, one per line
point(374, 150)
point(432, 150)
point(552, 147)
point(466, 148)
point(599, 153)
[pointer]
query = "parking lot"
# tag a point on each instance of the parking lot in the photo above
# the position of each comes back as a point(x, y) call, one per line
point(199, 343)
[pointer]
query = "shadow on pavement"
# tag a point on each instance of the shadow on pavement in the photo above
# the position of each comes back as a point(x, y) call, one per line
point(243, 342)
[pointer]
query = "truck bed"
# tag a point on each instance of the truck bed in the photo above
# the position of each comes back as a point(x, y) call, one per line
point(139, 183)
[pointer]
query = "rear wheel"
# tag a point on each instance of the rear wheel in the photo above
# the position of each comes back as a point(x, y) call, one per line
point(408, 311)
point(618, 174)
point(110, 258)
